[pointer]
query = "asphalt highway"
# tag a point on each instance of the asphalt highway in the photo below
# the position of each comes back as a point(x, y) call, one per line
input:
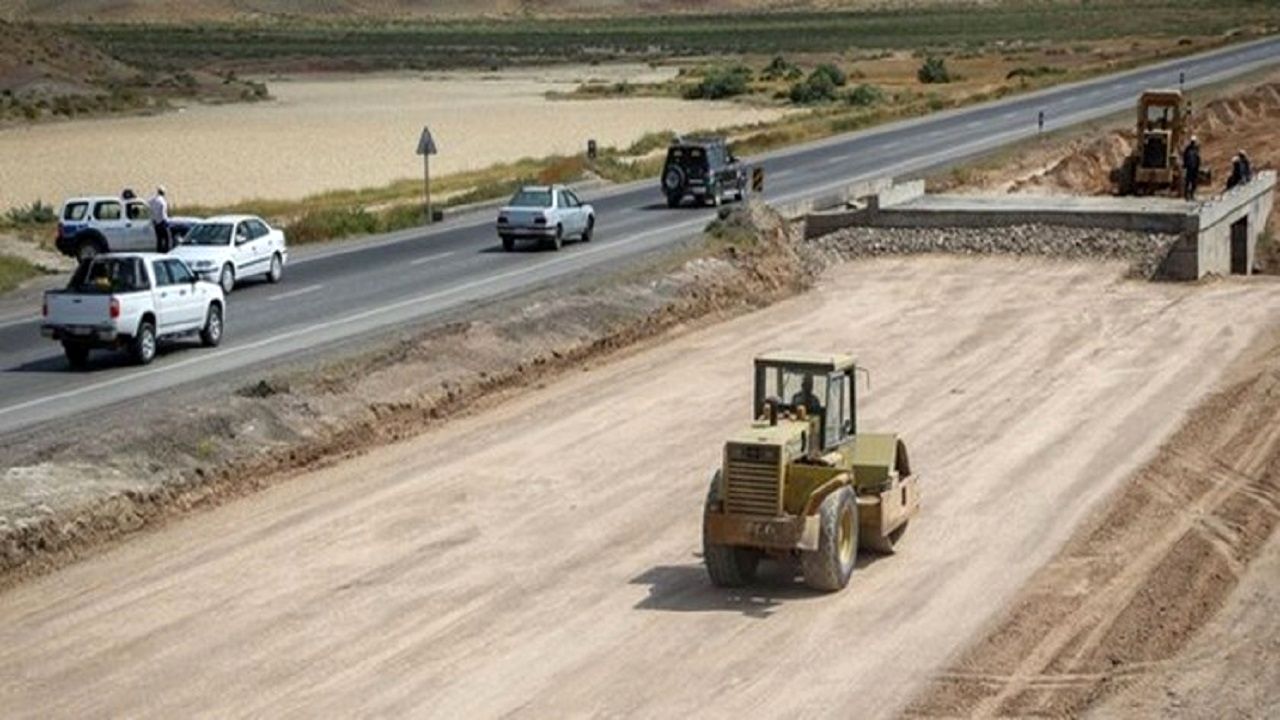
point(346, 292)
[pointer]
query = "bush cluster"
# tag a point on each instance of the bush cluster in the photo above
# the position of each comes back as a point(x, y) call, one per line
point(820, 86)
point(781, 69)
point(864, 95)
point(934, 70)
point(721, 82)
point(37, 213)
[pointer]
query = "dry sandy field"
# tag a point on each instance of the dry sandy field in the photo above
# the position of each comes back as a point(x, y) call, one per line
point(541, 559)
point(326, 133)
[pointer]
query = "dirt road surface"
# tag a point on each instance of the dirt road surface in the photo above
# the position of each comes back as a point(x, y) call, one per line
point(541, 559)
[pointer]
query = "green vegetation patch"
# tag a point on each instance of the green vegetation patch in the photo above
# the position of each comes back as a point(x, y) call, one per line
point(14, 271)
point(495, 43)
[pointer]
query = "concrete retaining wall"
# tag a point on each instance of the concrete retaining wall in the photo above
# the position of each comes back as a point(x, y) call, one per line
point(1246, 208)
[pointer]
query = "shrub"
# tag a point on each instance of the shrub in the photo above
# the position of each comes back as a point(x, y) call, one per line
point(934, 70)
point(400, 217)
point(14, 271)
point(326, 224)
point(37, 213)
point(721, 83)
point(781, 69)
point(833, 73)
point(864, 95)
point(818, 87)
point(650, 142)
point(1023, 71)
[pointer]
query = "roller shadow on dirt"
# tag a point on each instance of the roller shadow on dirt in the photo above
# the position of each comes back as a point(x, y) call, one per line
point(685, 588)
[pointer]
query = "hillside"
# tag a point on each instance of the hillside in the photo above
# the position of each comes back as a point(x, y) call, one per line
point(46, 73)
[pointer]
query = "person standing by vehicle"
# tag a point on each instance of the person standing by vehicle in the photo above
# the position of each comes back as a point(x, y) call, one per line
point(160, 220)
point(1191, 168)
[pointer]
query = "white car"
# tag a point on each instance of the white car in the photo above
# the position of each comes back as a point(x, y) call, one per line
point(132, 301)
point(546, 213)
point(229, 248)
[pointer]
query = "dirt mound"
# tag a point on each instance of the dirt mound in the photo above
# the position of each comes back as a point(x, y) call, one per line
point(1225, 125)
point(1245, 121)
point(1085, 168)
point(1127, 594)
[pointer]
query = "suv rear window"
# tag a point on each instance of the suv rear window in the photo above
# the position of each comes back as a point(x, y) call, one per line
point(75, 211)
point(687, 156)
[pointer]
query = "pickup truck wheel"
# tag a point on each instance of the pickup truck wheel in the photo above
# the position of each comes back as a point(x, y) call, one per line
point(508, 243)
point(88, 250)
point(143, 346)
point(227, 279)
point(589, 231)
point(557, 242)
point(211, 335)
point(277, 269)
point(828, 568)
point(77, 355)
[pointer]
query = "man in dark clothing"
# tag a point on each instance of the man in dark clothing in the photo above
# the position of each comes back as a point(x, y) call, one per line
point(1241, 170)
point(1191, 168)
point(1237, 173)
point(806, 399)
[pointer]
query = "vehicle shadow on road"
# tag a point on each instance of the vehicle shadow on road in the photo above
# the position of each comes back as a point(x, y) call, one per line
point(531, 247)
point(100, 361)
point(685, 588)
point(52, 363)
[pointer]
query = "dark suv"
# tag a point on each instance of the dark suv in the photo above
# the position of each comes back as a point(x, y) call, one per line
point(704, 168)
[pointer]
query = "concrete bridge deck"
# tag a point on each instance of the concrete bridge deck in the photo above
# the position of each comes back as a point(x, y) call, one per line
point(1217, 234)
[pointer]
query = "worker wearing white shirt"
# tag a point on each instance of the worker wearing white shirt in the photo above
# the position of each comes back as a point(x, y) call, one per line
point(160, 220)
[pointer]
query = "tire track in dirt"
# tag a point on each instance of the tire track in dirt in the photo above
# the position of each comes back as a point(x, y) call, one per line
point(1132, 589)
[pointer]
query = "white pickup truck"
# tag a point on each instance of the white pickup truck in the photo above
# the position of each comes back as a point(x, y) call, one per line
point(131, 301)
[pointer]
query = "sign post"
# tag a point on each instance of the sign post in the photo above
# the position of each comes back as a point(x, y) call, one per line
point(427, 148)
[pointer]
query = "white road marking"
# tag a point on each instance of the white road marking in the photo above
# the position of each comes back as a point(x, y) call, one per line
point(355, 317)
point(429, 258)
point(295, 293)
point(19, 320)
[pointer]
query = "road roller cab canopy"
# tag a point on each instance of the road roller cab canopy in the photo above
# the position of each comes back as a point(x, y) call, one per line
point(812, 383)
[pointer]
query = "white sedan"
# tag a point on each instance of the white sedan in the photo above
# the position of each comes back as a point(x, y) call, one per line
point(546, 213)
point(230, 248)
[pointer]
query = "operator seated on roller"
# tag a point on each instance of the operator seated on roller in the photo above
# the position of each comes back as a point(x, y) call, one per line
point(806, 399)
